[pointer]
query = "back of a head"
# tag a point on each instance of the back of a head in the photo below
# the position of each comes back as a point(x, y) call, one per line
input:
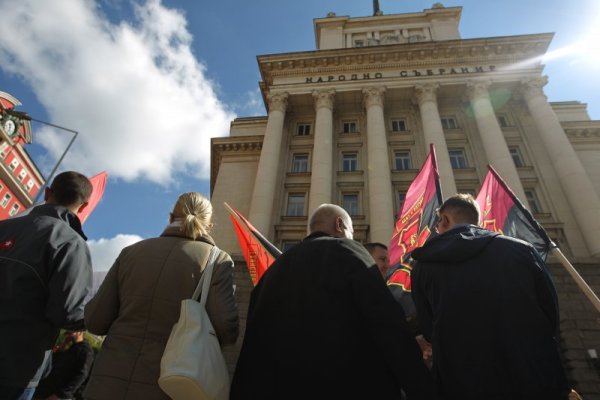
point(194, 211)
point(70, 188)
point(371, 246)
point(324, 218)
point(463, 207)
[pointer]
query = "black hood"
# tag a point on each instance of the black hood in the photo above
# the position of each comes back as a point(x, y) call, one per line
point(456, 245)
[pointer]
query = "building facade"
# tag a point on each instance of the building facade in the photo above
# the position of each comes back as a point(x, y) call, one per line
point(20, 179)
point(351, 123)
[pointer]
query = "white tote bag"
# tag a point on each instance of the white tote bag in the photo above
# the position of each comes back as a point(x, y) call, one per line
point(192, 365)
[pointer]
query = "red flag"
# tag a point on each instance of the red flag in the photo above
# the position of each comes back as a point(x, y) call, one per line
point(258, 252)
point(98, 185)
point(416, 222)
point(502, 211)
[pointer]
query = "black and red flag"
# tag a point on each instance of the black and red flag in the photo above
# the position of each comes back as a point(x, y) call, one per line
point(416, 222)
point(258, 252)
point(502, 211)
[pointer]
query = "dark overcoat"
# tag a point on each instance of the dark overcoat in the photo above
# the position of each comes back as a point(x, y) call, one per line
point(323, 325)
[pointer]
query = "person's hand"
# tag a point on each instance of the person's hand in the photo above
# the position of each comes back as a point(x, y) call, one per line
point(574, 395)
point(426, 349)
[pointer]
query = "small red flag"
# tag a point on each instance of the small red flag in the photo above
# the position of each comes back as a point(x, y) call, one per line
point(98, 185)
point(501, 211)
point(416, 222)
point(258, 252)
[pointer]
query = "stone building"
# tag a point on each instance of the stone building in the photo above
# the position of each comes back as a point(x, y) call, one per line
point(351, 123)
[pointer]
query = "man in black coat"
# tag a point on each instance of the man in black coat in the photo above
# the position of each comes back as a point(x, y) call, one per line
point(489, 307)
point(323, 325)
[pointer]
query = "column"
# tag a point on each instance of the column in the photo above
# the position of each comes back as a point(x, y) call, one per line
point(381, 198)
point(321, 174)
point(434, 133)
point(572, 176)
point(266, 174)
point(492, 137)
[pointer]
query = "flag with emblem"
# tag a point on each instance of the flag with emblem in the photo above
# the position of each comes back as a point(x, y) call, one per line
point(98, 185)
point(502, 211)
point(258, 252)
point(415, 224)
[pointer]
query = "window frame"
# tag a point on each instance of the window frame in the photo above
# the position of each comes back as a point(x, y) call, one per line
point(396, 121)
point(5, 200)
point(534, 201)
point(350, 123)
point(445, 121)
point(301, 128)
point(350, 162)
point(14, 209)
point(405, 161)
point(465, 162)
point(297, 163)
point(296, 207)
point(517, 156)
point(355, 206)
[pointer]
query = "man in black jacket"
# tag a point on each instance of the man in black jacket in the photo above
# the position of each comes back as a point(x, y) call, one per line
point(45, 276)
point(489, 307)
point(323, 325)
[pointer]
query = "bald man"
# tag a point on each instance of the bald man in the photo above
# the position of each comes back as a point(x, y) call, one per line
point(322, 324)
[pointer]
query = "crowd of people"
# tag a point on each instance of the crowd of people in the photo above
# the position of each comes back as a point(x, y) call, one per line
point(321, 322)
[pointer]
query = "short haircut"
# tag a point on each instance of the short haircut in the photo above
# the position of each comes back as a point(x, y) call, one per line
point(372, 245)
point(463, 207)
point(325, 215)
point(71, 188)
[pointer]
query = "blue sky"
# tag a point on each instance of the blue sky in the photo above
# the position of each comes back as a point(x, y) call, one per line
point(147, 83)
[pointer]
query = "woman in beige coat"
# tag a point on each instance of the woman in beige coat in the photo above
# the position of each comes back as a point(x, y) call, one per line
point(139, 301)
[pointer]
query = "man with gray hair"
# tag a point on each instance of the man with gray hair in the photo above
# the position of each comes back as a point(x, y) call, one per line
point(322, 324)
point(488, 305)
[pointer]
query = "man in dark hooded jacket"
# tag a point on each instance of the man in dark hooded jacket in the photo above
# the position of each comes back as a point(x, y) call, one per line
point(489, 307)
point(45, 276)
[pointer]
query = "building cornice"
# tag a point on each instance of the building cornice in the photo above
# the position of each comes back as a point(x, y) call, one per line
point(582, 131)
point(238, 145)
point(496, 50)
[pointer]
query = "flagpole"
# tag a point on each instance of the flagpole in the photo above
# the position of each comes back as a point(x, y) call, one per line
point(585, 288)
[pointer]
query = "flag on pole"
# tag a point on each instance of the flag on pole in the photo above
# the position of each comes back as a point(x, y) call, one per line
point(502, 211)
point(258, 252)
point(98, 185)
point(416, 222)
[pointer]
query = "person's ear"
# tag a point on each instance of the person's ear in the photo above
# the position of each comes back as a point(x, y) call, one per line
point(47, 193)
point(82, 207)
point(339, 225)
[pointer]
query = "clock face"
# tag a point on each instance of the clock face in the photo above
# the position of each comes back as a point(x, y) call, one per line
point(9, 127)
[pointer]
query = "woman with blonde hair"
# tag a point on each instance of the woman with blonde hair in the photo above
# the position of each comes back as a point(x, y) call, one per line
point(139, 301)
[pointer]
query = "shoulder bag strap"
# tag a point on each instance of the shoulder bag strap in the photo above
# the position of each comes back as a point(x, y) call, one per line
point(204, 283)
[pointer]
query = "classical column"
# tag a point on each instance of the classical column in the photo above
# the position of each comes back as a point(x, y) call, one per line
point(381, 198)
point(268, 165)
point(433, 132)
point(492, 137)
point(572, 176)
point(321, 174)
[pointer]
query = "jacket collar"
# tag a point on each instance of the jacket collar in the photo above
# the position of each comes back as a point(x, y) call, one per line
point(317, 234)
point(62, 213)
point(175, 230)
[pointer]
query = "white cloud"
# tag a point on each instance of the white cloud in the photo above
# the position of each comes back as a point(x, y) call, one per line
point(105, 251)
point(134, 91)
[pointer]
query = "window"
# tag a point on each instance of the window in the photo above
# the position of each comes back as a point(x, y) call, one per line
point(503, 121)
point(303, 130)
point(534, 203)
point(14, 164)
point(295, 207)
point(300, 163)
point(29, 184)
point(349, 127)
point(516, 156)
point(402, 160)
point(457, 158)
point(399, 125)
point(13, 209)
point(350, 162)
point(22, 174)
point(350, 203)
point(449, 123)
point(5, 200)
point(3, 148)
point(359, 43)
